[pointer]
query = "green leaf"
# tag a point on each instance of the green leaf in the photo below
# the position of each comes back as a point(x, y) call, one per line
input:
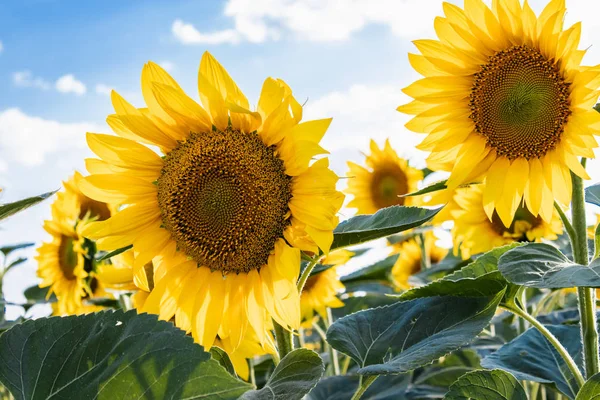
point(8, 209)
point(480, 278)
point(6, 250)
point(396, 387)
point(293, 378)
point(590, 390)
point(434, 187)
point(222, 358)
point(385, 222)
point(38, 294)
point(16, 262)
point(406, 335)
point(378, 270)
point(486, 385)
point(109, 355)
point(113, 253)
point(592, 194)
point(543, 266)
point(531, 357)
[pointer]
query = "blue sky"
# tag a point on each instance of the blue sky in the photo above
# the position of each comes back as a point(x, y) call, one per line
point(59, 59)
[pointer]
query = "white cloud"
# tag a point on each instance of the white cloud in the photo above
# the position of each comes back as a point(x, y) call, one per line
point(362, 113)
point(26, 79)
point(167, 65)
point(27, 140)
point(69, 84)
point(103, 89)
point(316, 20)
point(1, 47)
point(187, 34)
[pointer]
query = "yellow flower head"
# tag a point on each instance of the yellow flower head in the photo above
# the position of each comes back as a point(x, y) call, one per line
point(410, 258)
point(505, 100)
point(386, 178)
point(226, 209)
point(63, 263)
point(475, 233)
point(320, 293)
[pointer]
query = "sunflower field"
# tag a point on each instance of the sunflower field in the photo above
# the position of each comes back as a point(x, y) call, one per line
point(211, 250)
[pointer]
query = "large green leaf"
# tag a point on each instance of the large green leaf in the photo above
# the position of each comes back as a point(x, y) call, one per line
point(406, 335)
point(293, 378)
point(391, 387)
point(543, 266)
point(531, 357)
point(486, 385)
point(592, 194)
point(480, 278)
point(590, 390)
point(378, 270)
point(8, 209)
point(109, 355)
point(385, 222)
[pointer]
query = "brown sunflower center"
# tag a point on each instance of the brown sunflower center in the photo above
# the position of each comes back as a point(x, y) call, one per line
point(520, 103)
point(67, 257)
point(94, 209)
point(523, 222)
point(387, 185)
point(223, 196)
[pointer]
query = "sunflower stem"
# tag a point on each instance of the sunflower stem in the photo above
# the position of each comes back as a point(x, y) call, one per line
point(306, 273)
point(285, 340)
point(425, 261)
point(566, 223)
point(587, 296)
point(365, 382)
point(552, 339)
point(333, 354)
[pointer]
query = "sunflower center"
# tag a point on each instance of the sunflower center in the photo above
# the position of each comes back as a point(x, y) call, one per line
point(520, 103)
point(223, 196)
point(387, 185)
point(67, 257)
point(523, 222)
point(94, 209)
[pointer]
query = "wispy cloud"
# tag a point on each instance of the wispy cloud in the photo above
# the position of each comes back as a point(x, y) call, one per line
point(167, 65)
point(26, 79)
point(1, 47)
point(69, 84)
point(325, 20)
point(28, 140)
point(103, 89)
point(188, 34)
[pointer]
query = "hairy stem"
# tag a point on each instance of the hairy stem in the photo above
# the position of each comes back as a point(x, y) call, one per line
point(365, 382)
point(285, 340)
point(587, 296)
point(553, 340)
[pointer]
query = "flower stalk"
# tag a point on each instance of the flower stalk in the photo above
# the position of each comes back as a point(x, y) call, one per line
point(587, 296)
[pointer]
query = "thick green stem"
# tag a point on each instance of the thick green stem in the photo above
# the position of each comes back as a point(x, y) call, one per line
point(285, 340)
point(553, 340)
point(425, 260)
point(365, 382)
point(587, 296)
point(306, 273)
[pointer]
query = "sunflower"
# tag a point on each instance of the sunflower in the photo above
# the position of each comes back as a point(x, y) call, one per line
point(410, 258)
point(383, 183)
point(225, 211)
point(65, 263)
point(321, 290)
point(504, 100)
point(475, 233)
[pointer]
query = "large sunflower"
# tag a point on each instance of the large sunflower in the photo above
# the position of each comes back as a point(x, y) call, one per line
point(383, 183)
point(226, 210)
point(475, 233)
point(65, 263)
point(410, 259)
point(504, 99)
